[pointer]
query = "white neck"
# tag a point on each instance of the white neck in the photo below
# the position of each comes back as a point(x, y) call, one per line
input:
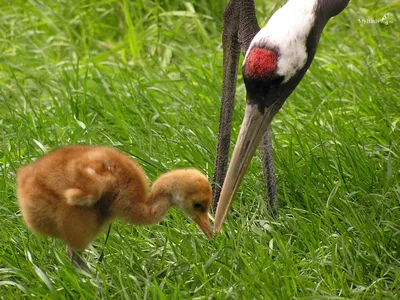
point(287, 32)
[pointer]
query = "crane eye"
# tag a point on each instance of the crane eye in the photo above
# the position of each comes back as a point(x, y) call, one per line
point(199, 207)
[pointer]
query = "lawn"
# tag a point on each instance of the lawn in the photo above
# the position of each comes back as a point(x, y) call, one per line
point(145, 77)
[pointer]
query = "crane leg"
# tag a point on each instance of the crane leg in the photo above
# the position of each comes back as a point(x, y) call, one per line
point(231, 52)
point(248, 25)
point(240, 26)
point(267, 156)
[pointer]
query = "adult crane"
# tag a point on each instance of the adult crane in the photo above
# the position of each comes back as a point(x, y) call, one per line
point(276, 59)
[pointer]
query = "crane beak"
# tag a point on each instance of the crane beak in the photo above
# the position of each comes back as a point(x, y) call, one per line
point(204, 223)
point(253, 127)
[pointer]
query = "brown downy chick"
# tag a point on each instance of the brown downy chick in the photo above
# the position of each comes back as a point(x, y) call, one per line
point(74, 192)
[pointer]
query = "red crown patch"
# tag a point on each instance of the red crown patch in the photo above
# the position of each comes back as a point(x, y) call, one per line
point(260, 63)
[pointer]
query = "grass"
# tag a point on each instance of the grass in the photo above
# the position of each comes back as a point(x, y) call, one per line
point(145, 77)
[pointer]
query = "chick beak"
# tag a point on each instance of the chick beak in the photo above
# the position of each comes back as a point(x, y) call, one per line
point(203, 222)
point(253, 127)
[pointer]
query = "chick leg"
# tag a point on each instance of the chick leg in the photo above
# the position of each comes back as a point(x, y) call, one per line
point(78, 230)
point(76, 258)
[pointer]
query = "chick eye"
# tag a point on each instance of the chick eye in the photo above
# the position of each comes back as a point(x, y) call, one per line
point(199, 207)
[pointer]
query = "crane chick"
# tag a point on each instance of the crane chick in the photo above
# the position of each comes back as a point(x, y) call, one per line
point(74, 192)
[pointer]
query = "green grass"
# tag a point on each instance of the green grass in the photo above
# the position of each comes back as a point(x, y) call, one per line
point(145, 77)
